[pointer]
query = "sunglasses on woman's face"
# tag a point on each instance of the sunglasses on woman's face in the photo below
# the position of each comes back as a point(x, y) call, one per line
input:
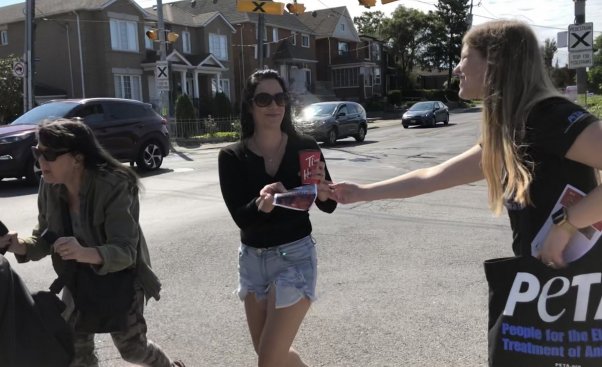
point(49, 155)
point(265, 99)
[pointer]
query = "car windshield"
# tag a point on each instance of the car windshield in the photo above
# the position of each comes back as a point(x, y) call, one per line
point(46, 111)
point(422, 106)
point(319, 110)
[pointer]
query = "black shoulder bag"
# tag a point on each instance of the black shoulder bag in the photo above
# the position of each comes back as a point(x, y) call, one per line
point(102, 302)
point(542, 317)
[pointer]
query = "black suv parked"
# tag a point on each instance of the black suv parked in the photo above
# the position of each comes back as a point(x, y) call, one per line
point(130, 130)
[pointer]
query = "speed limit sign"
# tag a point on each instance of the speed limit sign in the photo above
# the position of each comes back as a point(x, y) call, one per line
point(19, 69)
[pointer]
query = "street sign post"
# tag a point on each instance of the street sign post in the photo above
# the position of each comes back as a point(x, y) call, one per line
point(580, 44)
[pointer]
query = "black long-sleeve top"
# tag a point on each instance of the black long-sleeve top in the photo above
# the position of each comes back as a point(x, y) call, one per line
point(242, 175)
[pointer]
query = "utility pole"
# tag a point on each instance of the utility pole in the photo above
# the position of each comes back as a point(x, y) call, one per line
point(28, 81)
point(581, 73)
point(164, 97)
point(260, 27)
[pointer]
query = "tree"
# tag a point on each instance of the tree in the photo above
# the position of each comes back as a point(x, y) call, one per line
point(405, 33)
point(454, 15)
point(434, 52)
point(594, 75)
point(548, 51)
point(369, 23)
point(11, 91)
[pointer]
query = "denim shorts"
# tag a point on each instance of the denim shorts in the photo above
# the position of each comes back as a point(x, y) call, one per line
point(291, 268)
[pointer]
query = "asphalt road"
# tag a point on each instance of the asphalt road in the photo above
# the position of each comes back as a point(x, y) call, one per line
point(400, 281)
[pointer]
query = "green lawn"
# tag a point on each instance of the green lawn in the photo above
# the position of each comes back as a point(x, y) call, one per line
point(594, 104)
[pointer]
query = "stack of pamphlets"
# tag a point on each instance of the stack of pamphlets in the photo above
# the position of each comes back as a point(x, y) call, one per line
point(582, 241)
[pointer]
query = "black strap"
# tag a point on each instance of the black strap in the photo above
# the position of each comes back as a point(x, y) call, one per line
point(69, 267)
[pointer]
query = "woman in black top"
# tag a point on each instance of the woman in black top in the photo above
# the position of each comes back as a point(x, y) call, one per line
point(277, 256)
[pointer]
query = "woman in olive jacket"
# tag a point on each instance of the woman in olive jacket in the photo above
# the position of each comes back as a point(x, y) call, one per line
point(88, 222)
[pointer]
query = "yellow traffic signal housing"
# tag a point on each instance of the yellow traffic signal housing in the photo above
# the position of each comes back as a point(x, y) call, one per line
point(267, 7)
point(386, 1)
point(172, 37)
point(295, 8)
point(152, 34)
point(367, 3)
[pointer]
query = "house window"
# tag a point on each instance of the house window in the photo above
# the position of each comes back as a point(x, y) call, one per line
point(224, 86)
point(4, 38)
point(186, 42)
point(294, 38)
point(218, 45)
point(148, 43)
point(342, 26)
point(343, 48)
point(376, 76)
point(305, 40)
point(124, 35)
point(275, 34)
point(265, 33)
point(128, 86)
point(266, 50)
point(347, 77)
point(376, 51)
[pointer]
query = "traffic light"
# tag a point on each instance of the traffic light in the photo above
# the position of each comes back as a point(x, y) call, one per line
point(386, 1)
point(267, 7)
point(295, 8)
point(367, 3)
point(153, 35)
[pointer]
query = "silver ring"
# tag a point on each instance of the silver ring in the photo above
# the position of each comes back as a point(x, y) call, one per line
point(551, 264)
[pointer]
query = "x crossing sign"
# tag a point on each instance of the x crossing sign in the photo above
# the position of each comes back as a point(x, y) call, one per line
point(581, 36)
point(580, 44)
point(162, 76)
point(265, 7)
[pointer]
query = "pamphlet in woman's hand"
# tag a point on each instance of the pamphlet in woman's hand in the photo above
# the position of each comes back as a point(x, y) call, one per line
point(299, 198)
point(581, 242)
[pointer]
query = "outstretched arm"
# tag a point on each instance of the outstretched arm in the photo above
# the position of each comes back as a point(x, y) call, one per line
point(461, 169)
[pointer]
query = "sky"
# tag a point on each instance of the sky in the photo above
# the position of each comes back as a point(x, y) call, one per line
point(547, 17)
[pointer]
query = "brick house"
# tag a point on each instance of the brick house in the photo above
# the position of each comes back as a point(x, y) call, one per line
point(98, 48)
point(348, 65)
point(289, 45)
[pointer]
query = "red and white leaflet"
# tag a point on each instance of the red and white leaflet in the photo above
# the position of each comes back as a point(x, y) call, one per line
point(299, 198)
point(582, 241)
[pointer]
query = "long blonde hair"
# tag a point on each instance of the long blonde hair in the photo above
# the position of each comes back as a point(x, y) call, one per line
point(515, 80)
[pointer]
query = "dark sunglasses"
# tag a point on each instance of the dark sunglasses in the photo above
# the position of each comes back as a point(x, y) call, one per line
point(49, 155)
point(265, 99)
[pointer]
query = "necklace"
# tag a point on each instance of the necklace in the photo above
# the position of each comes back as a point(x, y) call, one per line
point(271, 160)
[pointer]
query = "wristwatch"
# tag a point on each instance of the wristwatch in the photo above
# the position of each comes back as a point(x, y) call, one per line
point(560, 218)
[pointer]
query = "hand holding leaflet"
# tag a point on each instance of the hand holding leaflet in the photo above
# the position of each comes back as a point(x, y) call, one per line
point(581, 242)
point(300, 198)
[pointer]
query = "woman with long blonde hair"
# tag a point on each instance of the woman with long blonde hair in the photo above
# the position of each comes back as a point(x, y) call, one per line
point(533, 143)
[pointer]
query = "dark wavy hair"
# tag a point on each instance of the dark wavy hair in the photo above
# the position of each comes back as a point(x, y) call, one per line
point(247, 125)
point(78, 138)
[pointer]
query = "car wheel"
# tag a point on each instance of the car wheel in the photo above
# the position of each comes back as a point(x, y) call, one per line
point(405, 126)
point(33, 175)
point(332, 137)
point(150, 156)
point(361, 134)
point(433, 122)
point(446, 121)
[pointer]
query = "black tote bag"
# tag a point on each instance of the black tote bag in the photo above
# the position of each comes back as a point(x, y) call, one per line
point(542, 317)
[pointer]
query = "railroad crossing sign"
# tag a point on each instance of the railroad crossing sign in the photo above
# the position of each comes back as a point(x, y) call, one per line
point(162, 76)
point(19, 69)
point(580, 44)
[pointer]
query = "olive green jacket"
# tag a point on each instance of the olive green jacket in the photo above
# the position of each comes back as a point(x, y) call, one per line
point(109, 212)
